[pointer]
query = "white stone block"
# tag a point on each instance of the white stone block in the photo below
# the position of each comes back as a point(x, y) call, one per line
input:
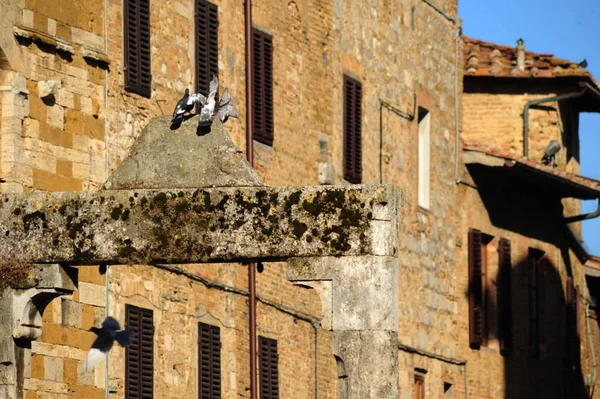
point(48, 88)
point(92, 294)
point(53, 368)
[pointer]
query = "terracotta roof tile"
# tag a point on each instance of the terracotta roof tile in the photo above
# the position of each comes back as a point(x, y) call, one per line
point(491, 59)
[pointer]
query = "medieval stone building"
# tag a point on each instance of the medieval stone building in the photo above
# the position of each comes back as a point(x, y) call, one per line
point(361, 291)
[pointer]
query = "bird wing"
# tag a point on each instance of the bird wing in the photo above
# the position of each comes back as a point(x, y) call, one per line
point(213, 87)
point(123, 337)
point(197, 98)
point(226, 112)
point(225, 98)
point(111, 324)
point(94, 356)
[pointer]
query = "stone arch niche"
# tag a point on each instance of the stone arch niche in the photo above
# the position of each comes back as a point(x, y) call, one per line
point(21, 310)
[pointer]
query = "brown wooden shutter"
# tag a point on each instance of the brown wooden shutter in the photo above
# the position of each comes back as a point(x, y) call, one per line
point(352, 130)
point(138, 78)
point(262, 44)
point(139, 354)
point(269, 374)
point(504, 296)
point(476, 311)
point(207, 44)
point(534, 302)
point(209, 356)
point(573, 331)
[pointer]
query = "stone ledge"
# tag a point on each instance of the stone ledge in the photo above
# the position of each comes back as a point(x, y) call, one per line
point(43, 38)
point(194, 225)
point(91, 54)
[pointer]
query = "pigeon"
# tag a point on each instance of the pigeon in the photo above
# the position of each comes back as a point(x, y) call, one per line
point(210, 104)
point(106, 336)
point(583, 64)
point(184, 107)
point(225, 109)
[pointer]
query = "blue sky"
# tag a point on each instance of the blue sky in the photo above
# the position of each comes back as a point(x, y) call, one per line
point(568, 29)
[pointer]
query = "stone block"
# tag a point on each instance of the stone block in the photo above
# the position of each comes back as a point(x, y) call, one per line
point(53, 367)
point(92, 294)
point(71, 313)
point(47, 88)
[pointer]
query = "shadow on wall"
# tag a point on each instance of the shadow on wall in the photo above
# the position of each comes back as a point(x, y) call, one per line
point(530, 313)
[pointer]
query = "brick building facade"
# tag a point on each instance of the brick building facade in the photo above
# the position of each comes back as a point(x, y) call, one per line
point(70, 114)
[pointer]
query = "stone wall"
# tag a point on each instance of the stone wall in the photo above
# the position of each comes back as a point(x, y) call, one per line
point(517, 374)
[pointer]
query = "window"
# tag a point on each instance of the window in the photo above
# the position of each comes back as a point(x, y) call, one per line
point(352, 130)
point(573, 331)
point(536, 257)
point(209, 361)
point(448, 391)
point(137, 47)
point(478, 288)
point(424, 157)
point(269, 374)
point(504, 296)
point(419, 385)
point(263, 86)
point(207, 44)
point(139, 354)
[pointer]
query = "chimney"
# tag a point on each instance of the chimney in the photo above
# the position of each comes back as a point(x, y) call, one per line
point(521, 54)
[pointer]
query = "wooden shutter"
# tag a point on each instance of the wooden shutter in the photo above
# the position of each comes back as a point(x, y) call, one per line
point(269, 374)
point(138, 78)
point(209, 359)
point(476, 311)
point(352, 130)
point(139, 354)
point(504, 296)
point(207, 44)
point(534, 302)
point(573, 331)
point(262, 48)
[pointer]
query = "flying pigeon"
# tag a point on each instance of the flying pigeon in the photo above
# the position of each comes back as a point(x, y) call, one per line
point(222, 108)
point(225, 109)
point(106, 336)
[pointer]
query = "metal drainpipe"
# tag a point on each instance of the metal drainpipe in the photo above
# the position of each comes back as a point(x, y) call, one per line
point(585, 216)
point(250, 157)
point(107, 274)
point(532, 103)
point(400, 113)
point(458, 30)
point(316, 325)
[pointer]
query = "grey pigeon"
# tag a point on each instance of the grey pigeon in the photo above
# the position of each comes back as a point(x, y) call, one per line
point(106, 336)
point(209, 102)
point(222, 108)
point(225, 108)
point(184, 107)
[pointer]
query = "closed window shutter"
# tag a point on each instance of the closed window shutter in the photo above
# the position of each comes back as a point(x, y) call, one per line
point(139, 354)
point(138, 78)
point(269, 374)
point(262, 47)
point(476, 311)
point(209, 355)
point(207, 44)
point(352, 130)
point(573, 331)
point(535, 258)
point(504, 296)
